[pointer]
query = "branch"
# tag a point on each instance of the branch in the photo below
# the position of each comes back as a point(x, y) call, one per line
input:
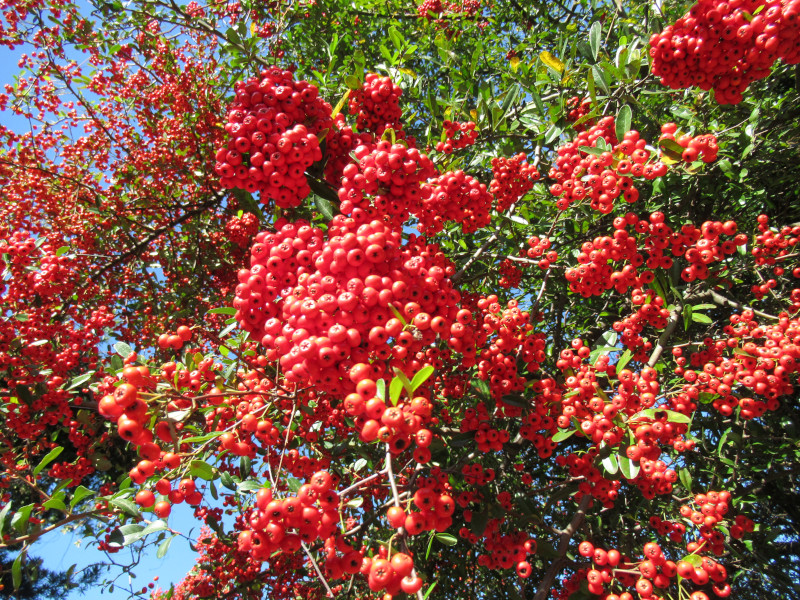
point(563, 545)
point(725, 301)
point(317, 569)
point(672, 323)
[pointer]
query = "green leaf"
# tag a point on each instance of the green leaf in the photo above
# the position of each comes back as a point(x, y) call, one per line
point(624, 360)
point(381, 392)
point(163, 547)
point(80, 380)
point(227, 480)
point(223, 310)
point(700, 318)
point(479, 522)
point(325, 207)
point(123, 349)
point(595, 33)
point(685, 478)
point(56, 503)
point(128, 507)
point(79, 495)
point(482, 388)
point(421, 377)
point(352, 82)
point(62, 251)
point(19, 520)
point(623, 123)
point(200, 439)
point(447, 539)
point(396, 37)
point(591, 150)
point(395, 389)
point(676, 417)
point(693, 559)
point(628, 468)
point(16, 570)
point(201, 469)
point(560, 436)
point(293, 484)
point(3, 515)
point(430, 589)
point(610, 464)
point(51, 456)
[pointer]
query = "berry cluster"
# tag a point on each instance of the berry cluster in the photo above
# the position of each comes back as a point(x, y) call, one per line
point(704, 246)
point(603, 175)
point(538, 247)
point(649, 310)
point(772, 246)
point(725, 46)
point(240, 230)
point(512, 178)
point(655, 571)
point(510, 275)
point(340, 142)
point(755, 360)
point(387, 181)
point(510, 336)
point(273, 126)
point(175, 340)
point(594, 274)
point(376, 105)
point(577, 108)
point(282, 525)
point(701, 147)
point(455, 196)
point(458, 136)
point(320, 305)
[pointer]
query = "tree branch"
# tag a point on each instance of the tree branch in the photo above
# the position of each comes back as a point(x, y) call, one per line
point(563, 545)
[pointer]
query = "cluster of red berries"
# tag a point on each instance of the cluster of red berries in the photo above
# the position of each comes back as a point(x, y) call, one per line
point(649, 310)
point(431, 9)
point(671, 529)
point(394, 574)
point(655, 572)
point(539, 424)
point(725, 46)
point(771, 246)
point(701, 147)
point(577, 108)
point(321, 305)
point(455, 196)
point(458, 135)
point(386, 182)
point(487, 438)
point(541, 246)
point(512, 178)
point(240, 230)
point(185, 492)
point(376, 105)
point(175, 340)
point(273, 126)
point(762, 360)
point(604, 176)
point(282, 525)
point(595, 274)
point(511, 336)
point(506, 550)
point(397, 425)
point(341, 141)
point(510, 275)
point(704, 246)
